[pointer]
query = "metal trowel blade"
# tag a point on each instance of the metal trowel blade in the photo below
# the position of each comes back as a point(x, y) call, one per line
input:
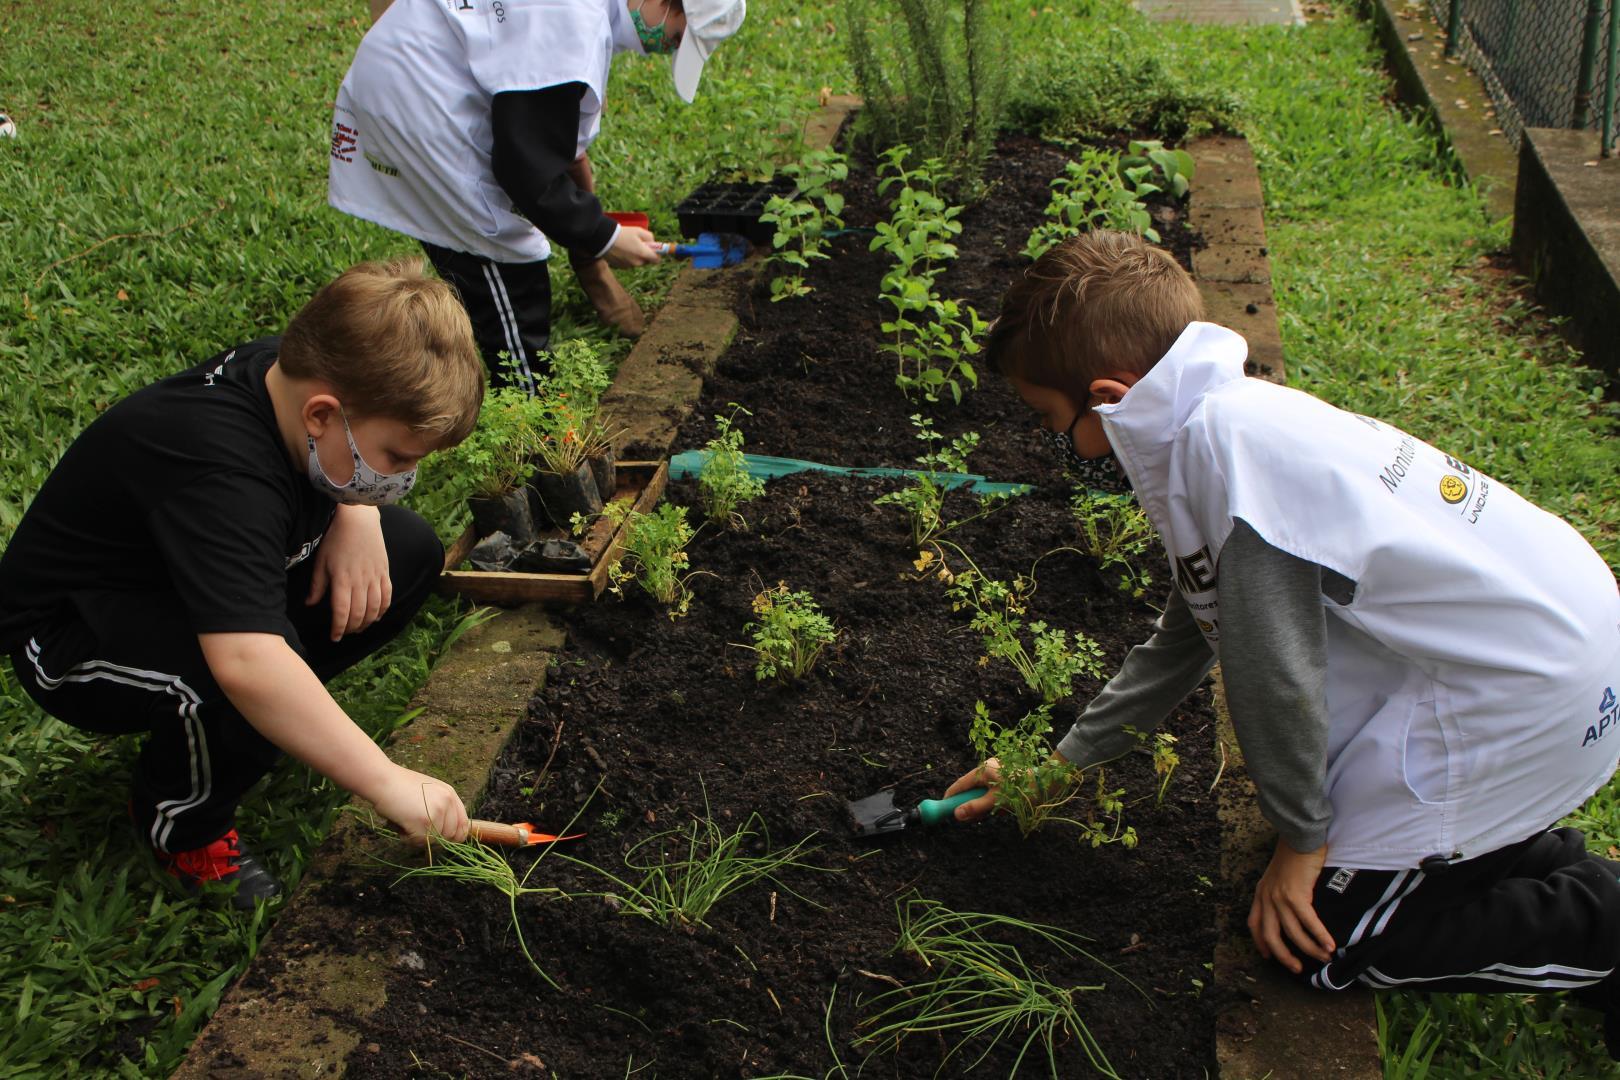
point(876, 815)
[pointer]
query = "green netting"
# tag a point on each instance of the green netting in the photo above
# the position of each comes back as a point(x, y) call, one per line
point(690, 463)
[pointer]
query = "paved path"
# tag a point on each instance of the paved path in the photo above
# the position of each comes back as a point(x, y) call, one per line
point(1258, 12)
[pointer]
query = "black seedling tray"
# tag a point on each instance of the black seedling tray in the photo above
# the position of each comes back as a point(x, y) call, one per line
point(723, 207)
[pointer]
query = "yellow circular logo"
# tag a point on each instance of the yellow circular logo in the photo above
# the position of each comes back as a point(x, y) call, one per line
point(1452, 488)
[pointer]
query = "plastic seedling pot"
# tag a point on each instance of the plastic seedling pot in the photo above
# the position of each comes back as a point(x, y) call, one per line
point(604, 470)
point(732, 208)
point(509, 514)
point(559, 496)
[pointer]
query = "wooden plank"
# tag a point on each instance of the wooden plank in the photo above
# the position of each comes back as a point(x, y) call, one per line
point(643, 481)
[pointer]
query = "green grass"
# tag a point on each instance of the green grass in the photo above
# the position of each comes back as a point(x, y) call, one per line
point(166, 198)
point(172, 166)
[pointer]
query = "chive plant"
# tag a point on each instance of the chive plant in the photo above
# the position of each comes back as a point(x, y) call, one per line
point(981, 991)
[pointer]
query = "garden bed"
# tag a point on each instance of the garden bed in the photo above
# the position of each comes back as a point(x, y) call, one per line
point(665, 722)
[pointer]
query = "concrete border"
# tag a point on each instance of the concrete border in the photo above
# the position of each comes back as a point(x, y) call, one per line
point(1566, 236)
point(1268, 1025)
point(1233, 269)
point(1452, 95)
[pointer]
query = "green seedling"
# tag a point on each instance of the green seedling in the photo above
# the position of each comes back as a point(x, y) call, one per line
point(1096, 193)
point(724, 482)
point(653, 553)
point(802, 222)
point(570, 397)
point(790, 635)
point(980, 990)
point(684, 873)
point(1173, 168)
point(1115, 531)
point(923, 497)
point(478, 864)
point(932, 337)
point(1106, 824)
point(1034, 788)
point(1049, 662)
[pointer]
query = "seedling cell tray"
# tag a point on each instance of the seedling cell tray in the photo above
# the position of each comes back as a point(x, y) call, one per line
point(723, 207)
point(639, 482)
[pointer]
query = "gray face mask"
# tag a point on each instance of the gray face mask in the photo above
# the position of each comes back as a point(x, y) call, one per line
point(1094, 474)
point(367, 487)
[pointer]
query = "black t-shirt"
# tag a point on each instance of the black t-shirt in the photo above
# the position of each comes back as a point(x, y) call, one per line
point(183, 487)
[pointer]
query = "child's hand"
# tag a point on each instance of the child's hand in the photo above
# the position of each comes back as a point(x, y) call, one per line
point(987, 775)
point(420, 805)
point(353, 561)
point(1283, 906)
point(632, 247)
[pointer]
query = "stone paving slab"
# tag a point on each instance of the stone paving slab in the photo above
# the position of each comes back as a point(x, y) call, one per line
point(1233, 270)
point(1225, 12)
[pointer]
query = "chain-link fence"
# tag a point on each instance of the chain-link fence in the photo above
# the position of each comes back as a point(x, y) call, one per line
point(1546, 63)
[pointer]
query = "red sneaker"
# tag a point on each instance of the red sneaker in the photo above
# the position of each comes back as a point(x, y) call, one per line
point(222, 860)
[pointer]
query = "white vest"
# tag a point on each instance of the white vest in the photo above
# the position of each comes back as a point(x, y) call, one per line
point(1471, 680)
point(411, 135)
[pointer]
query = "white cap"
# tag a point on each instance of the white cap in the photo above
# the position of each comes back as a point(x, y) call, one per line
point(708, 23)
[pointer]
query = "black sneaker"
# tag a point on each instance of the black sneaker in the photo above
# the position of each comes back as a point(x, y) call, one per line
point(223, 860)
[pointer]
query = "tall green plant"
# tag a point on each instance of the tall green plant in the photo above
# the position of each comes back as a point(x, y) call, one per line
point(933, 75)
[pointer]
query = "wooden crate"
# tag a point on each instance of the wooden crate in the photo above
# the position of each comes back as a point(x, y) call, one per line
point(640, 482)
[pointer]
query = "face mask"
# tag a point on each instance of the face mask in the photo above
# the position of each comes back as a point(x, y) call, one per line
point(653, 38)
point(367, 487)
point(1094, 474)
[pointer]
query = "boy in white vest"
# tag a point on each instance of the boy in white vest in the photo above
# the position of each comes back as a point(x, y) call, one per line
point(1421, 666)
point(466, 124)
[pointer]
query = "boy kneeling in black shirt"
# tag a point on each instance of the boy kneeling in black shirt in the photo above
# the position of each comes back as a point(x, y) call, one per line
point(216, 546)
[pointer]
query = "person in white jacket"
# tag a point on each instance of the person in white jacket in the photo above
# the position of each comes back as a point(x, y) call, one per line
point(466, 124)
point(1421, 665)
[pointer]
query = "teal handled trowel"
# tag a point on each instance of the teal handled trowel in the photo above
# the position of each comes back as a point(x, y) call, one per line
point(876, 815)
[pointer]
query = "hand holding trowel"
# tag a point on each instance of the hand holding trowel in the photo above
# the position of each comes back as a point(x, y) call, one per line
point(521, 834)
point(877, 815)
point(710, 251)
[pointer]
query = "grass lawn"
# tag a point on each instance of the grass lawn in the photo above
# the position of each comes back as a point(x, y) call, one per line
point(166, 198)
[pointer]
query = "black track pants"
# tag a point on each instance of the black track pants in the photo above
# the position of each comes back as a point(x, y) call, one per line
point(510, 308)
point(140, 668)
point(1542, 914)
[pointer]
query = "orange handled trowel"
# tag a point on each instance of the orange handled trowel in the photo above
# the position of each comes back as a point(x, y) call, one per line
point(522, 834)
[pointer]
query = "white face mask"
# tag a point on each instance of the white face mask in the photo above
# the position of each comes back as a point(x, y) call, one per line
point(367, 487)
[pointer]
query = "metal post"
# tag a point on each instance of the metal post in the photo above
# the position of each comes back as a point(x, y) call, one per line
point(1453, 27)
point(1588, 68)
point(1608, 81)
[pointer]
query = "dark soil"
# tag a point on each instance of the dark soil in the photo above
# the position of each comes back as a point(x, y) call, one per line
point(664, 721)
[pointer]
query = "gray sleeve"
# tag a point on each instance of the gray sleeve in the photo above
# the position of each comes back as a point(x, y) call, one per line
point(1154, 678)
point(1273, 664)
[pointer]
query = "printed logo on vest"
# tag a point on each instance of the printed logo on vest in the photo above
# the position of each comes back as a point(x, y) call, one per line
point(1341, 879)
point(1453, 489)
point(1195, 573)
point(1608, 718)
point(344, 140)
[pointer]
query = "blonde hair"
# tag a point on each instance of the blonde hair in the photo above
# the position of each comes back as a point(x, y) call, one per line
point(391, 342)
point(1097, 303)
